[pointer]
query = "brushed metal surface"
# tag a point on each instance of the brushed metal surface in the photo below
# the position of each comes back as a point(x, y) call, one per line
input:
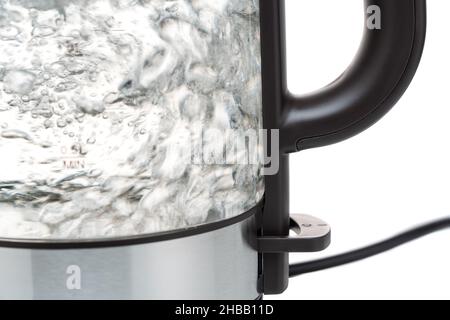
point(216, 265)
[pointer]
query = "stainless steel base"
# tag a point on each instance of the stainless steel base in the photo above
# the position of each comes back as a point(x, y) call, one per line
point(216, 265)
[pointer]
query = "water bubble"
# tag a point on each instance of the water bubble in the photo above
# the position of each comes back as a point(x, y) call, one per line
point(66, 86)
point(76, 147)
point(79, 115)
point(83, 150)
point(61, 123)
point(16, 134)
point(48, 124)
point(46, 144)
point(19, 81)
point(25, 98)
point(59, 69)
point(91, 140)
point(75, 67)
point(95, 173)
point(75, 33)
point(87, 106)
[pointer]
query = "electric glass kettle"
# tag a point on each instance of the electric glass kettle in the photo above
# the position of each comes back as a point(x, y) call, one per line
point(144, 144)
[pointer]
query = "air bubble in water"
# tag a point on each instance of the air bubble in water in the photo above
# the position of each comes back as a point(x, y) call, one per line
point(61, 123)
point(87, 106)
point(95, 173)
point(83, 150)
point(19, 81)
point(48, 124)
point(76, 147)
point(16, 134)
point(46, 144)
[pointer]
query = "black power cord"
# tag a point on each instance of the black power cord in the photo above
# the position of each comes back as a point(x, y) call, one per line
point(370, 251)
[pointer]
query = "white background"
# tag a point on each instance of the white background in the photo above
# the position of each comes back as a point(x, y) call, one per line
point(392, 177)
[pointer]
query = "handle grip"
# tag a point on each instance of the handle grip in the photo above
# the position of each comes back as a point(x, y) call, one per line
point(379, 75)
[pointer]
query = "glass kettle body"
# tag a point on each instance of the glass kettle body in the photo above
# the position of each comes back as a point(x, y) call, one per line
point(123, 117)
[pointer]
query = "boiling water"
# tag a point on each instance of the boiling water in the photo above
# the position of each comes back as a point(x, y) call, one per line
point(94, 95)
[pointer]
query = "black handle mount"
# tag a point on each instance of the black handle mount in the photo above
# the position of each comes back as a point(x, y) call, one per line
point(312, 235)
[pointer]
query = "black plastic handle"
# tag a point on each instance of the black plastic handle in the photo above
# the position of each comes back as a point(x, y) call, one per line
point(368, 89)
